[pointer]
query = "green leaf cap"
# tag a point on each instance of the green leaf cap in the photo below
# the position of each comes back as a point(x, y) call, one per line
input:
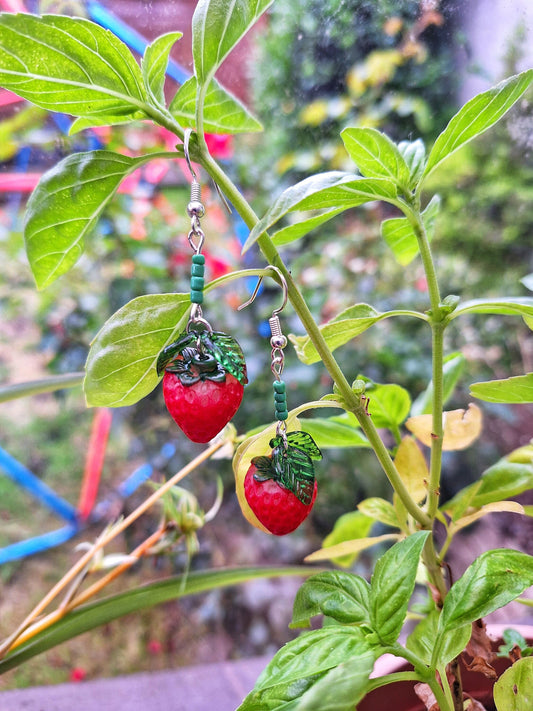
point(290, 465)
point(203, 355)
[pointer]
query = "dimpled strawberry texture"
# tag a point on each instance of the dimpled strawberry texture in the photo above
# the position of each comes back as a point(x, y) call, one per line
point(278, 509)
point(203, 409)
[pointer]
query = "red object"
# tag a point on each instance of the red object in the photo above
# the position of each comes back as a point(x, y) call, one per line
point(26, 182)
point(277, 508)
point(201, 410)
point(78, 674)
point(154, 647)
point(7, 98)
point(220, 147)
point(94, 461)
point(12, 6)
point(18, 182)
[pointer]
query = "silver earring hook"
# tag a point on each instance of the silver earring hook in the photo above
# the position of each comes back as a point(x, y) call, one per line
point(283, 281)
point(186, 139)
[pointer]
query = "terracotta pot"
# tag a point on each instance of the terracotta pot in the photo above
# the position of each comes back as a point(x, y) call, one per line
point(401, 695)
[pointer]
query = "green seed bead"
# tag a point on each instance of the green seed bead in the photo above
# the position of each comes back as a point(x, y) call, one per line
point(281, 407)
point(197, 297)
point(280, 397)
point(279, 386)
point(198, 259)
point(282, 415)
point(197, 270)
point(197, 283)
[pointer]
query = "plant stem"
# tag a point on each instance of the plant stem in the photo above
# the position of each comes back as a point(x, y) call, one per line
point(61, 611)
point(444, 699)
point(104, 540)
point(437, 414)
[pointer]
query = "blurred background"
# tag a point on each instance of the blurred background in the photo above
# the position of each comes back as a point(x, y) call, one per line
point(310, 68)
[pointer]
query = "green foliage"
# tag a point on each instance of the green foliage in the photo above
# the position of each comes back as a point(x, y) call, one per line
point(476, 116)
point(514, 691)
point(342, 329)
point(392, 585)
point(72, 65)
point(334, 64)
point(513, 390)
point(341, 596)
point(323, 669)
point(223, 113)
point(122, 363)
point(217, 26)
point(494, 579)
point(65, 207)
point(421, 641)
point(100, 613)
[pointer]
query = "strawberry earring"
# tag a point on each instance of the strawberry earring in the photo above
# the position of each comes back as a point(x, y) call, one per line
point(281, 488)
point(204, 371)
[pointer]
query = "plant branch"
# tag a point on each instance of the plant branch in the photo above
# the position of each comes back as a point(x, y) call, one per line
point(104, 540)
point(437, 430)
point(351, 399)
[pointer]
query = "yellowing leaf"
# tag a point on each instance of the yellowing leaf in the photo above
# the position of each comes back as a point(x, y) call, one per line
point(496, 507)
point(255, 446)
point(461, 428)
point(349, 547)
point(412, 468)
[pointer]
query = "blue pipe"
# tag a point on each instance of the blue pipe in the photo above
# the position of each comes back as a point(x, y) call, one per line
point(35, 545)
point(18, 473)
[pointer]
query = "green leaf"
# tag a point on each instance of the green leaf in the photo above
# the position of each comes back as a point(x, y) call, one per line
point(502, 481)
point(423, 641)
point(388, 405)
point(342, 596)
point(398, 232)
point(328, 433)
point(154, 65)
point(69, 64)
point(299, 229)
point(379, 510)
point(511, 390)
point(333, 189)
point(513, 691)
point(414, 154)
point(121, 365)
point(349, 526)
point(287, 682)
point(494, 579)
point(340, 687)
point(65, 206)
point(36, 387)
point(104, 611)
point(223, 112)
point(392, 585)
point(376, 155)
point(510, 306)
point(476, 116)
point(217, 26)
point(343, 328)
point(452, 371)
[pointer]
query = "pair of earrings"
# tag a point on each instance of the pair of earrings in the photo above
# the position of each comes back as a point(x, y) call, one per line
point(204, 373)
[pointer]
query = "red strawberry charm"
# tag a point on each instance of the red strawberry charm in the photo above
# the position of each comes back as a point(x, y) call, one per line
point(281, 489)
point(203, 381)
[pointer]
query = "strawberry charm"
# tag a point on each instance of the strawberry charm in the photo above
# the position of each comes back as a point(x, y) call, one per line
point(281, 488)
point(204, 374)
